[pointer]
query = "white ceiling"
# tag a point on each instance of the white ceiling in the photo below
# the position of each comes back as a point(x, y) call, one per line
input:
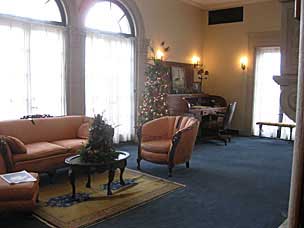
point(210, 4)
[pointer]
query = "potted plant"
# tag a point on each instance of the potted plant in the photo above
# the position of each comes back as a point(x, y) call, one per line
point(99, 148)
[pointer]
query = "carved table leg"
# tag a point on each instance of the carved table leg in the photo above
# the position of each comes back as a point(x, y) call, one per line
point(122, 182)
point(72, 181)
point(170, 172)
point(122, 169)
point(88, 185)
point(138, 163)
point(187, 164)
point(111, 178)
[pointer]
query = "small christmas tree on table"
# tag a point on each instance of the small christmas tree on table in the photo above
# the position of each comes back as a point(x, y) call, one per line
point(100, 144)
point(156, 87)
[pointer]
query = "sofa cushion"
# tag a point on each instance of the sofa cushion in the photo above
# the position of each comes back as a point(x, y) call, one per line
point(157, 146)
point(40, 150)
point(22, 191)
point(71, 144)
point(16, 145)
point(83, 131)
point(42, 165)
point(154, 157)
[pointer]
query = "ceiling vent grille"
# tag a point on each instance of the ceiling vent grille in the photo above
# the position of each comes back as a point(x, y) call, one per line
point(223, 16)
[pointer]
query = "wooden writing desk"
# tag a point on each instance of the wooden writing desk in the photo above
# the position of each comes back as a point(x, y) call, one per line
point(179, 104)
point(201, 111)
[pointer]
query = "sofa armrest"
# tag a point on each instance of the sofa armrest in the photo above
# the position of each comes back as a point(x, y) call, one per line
point(16, 145)
point(87, 119)
point(6, 156)
point(83, 131)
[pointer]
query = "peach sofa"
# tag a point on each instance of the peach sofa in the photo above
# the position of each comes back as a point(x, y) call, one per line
point(41, 145)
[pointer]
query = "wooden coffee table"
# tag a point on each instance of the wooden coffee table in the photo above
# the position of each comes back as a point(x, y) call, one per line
point(78, 166)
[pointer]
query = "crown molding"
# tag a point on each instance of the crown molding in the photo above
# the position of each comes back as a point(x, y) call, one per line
point(193, 3)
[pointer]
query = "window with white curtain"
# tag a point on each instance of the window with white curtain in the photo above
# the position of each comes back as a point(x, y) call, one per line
point(267, 92)
point(32, 57)
point(42, 10)
point(109, 74)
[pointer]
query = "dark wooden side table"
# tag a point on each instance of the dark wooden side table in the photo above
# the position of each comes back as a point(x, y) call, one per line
point(77, 166)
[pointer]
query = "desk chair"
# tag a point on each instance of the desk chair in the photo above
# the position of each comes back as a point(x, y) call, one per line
point(218, 124)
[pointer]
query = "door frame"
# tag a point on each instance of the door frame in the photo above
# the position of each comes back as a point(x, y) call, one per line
point(255, 40)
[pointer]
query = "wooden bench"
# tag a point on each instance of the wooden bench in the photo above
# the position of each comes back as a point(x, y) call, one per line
point(279, 125)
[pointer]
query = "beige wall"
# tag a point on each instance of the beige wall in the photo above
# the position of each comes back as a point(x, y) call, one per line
point(185, 29)
point(177, 23)
point(225, 44)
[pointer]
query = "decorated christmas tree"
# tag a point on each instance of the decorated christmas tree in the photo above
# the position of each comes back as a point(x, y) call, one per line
point(100, 143)
point(156, 87)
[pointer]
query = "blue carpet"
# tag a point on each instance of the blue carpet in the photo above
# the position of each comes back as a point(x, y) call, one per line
point(243, 185)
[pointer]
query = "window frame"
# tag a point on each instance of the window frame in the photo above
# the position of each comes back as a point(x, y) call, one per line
point(61, 9)
point(28, 23)
point(126, 13)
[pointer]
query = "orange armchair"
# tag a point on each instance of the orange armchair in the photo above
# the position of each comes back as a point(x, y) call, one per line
point(168, 140)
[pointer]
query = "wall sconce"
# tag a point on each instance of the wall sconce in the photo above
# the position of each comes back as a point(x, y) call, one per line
point(200, 70)
point(159, 55)
point(203, 75)
point(244, 62)
point(195, 61)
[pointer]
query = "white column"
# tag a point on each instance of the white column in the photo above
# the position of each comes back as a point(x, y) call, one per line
point(296, 191)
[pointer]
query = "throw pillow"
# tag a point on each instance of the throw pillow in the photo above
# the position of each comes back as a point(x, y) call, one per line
point(16, 145)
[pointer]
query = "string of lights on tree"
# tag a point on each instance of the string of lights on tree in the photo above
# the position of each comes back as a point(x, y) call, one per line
point(156, 87)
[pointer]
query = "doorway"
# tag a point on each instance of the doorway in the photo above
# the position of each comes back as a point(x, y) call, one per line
point(266, 106)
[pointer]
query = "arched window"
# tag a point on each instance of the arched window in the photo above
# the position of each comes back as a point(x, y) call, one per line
point(109, 74)
point(43, 10)
point(32, 56)
point(109, 16)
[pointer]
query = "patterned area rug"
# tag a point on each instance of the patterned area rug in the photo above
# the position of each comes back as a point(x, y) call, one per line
point(92, 205)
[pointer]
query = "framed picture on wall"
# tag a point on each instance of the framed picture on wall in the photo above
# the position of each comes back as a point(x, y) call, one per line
point(178, 79)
